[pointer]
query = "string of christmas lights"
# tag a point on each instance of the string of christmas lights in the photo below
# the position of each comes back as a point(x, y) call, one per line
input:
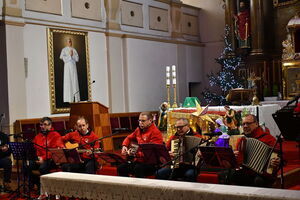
point(226, 78)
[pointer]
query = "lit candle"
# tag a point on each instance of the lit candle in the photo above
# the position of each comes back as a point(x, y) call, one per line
point(173, 68)
point(168, 68)
point(168, 82)
point(174, 81)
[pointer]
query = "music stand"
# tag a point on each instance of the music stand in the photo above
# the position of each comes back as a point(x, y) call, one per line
point(22, 151)
point(60, 156)
point(155, 154)
point(112, 158)
point(218, 157)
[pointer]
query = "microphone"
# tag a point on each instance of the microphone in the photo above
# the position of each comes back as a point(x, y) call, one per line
point(79, 91)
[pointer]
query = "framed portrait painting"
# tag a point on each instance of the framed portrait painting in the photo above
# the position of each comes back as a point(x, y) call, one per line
point(69, 71)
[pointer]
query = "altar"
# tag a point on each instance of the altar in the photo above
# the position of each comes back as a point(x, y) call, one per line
point(263, 113)
point(92, 186)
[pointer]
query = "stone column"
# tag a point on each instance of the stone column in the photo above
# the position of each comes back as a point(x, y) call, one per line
point(257, 27)
point(112, 8)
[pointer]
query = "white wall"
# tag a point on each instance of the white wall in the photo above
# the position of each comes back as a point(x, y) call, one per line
point(146, 72)
point(98, 67)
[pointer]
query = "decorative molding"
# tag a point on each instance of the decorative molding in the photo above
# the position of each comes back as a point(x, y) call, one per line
point(132, 14)
point(86, 9)
point(52, 7)
point(120, 35)
point(278, 3)
point(12, 23)
point(14, 12)
point(158, 19)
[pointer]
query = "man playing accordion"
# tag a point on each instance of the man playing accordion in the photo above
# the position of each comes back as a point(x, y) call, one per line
point(246, 176)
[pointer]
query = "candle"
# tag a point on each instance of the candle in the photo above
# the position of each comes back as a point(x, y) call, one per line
point(168, 81)
point(173, 68)
point(167, 68)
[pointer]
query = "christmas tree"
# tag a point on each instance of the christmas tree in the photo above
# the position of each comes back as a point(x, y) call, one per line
point(226, 78)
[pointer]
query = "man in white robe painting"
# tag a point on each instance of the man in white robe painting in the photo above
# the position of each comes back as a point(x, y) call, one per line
point(71, 88)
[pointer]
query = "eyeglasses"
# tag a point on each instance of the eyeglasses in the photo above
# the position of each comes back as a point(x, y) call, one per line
point(180, 127)
point(247, 123)
point(44, 124)
point(143, 120)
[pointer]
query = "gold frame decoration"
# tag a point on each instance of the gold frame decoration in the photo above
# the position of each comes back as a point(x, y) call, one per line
point(291, 79)
point(57, 40)
point(278, 3)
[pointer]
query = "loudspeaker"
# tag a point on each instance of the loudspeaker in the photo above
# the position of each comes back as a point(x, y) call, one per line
point(288, 123)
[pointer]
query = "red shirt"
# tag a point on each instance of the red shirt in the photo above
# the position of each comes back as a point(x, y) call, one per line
point(53, 139)
point(150, 135)
point(82, 140)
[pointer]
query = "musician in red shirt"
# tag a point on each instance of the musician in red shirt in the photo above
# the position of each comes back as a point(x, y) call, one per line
point(87, 141)
point(185, 172)
point(147, 132)
point(244, 176)
point(47, 138)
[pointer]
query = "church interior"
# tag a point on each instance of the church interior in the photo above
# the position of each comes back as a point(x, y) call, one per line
point(106, 62)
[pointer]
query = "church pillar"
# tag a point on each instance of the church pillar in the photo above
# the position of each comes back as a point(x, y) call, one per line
point(261, 25)
point(112, 8)
point(230, 11)
point(12, 68)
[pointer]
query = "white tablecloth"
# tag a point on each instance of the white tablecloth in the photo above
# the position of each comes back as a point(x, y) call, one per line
point(123, 188)
point(264, 113)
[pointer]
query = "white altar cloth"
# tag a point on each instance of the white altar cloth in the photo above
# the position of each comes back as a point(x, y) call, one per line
point(126, 188)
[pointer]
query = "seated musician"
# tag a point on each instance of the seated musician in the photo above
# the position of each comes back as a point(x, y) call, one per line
point(185, 171)
point(87, 140)
point(147, 132)
point(47, 138)
point(5, 161)
point(244, 176)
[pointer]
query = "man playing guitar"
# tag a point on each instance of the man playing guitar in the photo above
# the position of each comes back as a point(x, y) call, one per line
point(147, 132)
point(84, 138)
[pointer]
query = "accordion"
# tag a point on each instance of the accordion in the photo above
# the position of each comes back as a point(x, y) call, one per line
point(182, 149)
point(257, 156)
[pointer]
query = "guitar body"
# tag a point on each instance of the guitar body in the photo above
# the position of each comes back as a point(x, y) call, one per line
point(70, 145)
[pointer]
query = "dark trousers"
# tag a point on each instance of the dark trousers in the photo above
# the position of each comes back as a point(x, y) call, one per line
point(139, 170)
point(89, 166)
point(183, 173)
point(5, 163)
point(244, 177)
point(43, 168)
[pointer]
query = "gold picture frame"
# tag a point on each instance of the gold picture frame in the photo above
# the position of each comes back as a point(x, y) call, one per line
point(59, 41)
point(291, 79)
